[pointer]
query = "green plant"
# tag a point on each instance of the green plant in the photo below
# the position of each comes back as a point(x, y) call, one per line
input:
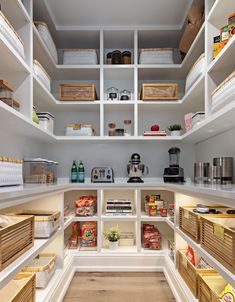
point(113, 234)
point(175, 127)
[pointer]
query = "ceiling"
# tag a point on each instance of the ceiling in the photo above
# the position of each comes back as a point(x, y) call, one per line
point(106, 13)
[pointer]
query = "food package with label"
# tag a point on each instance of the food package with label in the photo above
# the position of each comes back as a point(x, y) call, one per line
point(151, 237)
point(89, 234)
point(153, 204)
point(74, 238)
point(86, 206)
point(228, 294)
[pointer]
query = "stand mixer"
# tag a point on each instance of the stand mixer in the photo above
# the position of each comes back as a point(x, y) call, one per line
point(135, 169)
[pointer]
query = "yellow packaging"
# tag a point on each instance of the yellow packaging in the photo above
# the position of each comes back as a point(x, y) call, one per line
point(228, 294)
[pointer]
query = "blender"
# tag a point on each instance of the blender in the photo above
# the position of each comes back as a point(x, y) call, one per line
point(135, 169)
point(174, 173)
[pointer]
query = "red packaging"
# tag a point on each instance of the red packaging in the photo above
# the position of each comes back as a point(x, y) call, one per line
point(151, 237)
point(191, 255)
point(163, 212)
point(89, 234)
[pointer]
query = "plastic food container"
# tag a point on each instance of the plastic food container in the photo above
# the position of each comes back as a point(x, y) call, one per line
point(11, 171)
point(79, 130)
point(86, 206)
point(46, 120)
point(43, 266)
point(197, 118)
point(195, 72)
point(41, 73)
point(80, 57)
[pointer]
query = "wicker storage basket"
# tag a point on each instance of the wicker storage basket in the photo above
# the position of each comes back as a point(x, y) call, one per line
point(210, 287)
point(218, 238)
point(20, 289)
point(16, 239)
point(159, 91)
point(41, 73)
point(44, 267)
point(189, 272)
point(46, 222)
point(47, 38)
point(78, 92)
point(195, 72)
point(80, 57)
point(224, 93)
point(189, 222)
point(11, 35)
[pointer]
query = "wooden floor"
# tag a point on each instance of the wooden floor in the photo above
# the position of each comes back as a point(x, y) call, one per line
point(119, 287)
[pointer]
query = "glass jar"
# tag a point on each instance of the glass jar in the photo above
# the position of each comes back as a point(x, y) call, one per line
point(6, 90)
point(125, 95)
point(116, 57)
point(109, 58)
point(112, 94)
point(119, 132)
point(111, 129)
point(127, 127)
point(126, 57)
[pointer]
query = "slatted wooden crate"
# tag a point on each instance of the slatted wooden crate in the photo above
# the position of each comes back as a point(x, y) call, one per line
point(210, 287)
point(16, 239)
point(78, 92)
point(189, 272)
point(159, 91)
point(218, 238)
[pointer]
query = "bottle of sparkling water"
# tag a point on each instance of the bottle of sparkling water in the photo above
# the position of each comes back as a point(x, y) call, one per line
point(74, 172)
point(81, 172)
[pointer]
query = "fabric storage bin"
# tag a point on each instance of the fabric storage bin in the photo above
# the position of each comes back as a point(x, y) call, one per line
point(218, 238)
point(44, 266)
point(19, 289)
point(195, 72)
point(159, 91)
point(127, 239)
point(197, 118)
point(156, 56)
point(46, 222)
point(80, 57)
point(46, 120)
point(47, 38)
point(16, 237)
point(11, 35)
point(78, 92)
point(210, 287)
point(224, 93)
point(79, 130)
point(190, 273)
point(41, 73)
point(11, 171)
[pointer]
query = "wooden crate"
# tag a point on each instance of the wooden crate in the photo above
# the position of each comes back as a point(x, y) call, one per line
point(159, 91)
point(218, 238)
point(20, 289)
point(189, 272)
point(16, 239)
point(78, 92)
point(189, 222)
point(210, 287)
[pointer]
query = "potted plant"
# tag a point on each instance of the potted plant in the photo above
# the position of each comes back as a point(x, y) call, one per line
point(175, 129)
point(112, 235)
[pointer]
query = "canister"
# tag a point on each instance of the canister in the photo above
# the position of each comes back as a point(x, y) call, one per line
point(226, 164)
point(126, 57)
point(116, 57)
point(201, 172)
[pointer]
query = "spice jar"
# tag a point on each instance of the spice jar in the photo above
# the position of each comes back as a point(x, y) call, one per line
point(127, 127)
point(116, 57)
point(126, 57)
point(125, 95)
point(112, 94)
point(112, 129)
point(171, 209)
point(109, 58)
point(152, 209)
point(163, 212)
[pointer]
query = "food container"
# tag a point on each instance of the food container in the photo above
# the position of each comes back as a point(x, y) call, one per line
point(126, 57)
point(151, 237)
point(116, 57)
point(79, 130)
point(86, 206)
point(46, 222)
point(160, 91)
point(152, 209)
point(231, 24)
point(6, 90)
point(80, 57)
point(20, 232)
point(171, 210)
point(43, 266)
point(125, 95)
point(35, 116)
point(47, 38)
point(224, 93)
point(198, 118)
point(127, 128)
point(171, 248)
point(41, 73)
point(46, 120)
point(20, 289)
point(156, 56)
point(109, 58)
point(163, 212)
point(11, 171)
point(188, 122)
point(154, 199)
point(112, 129)
point(201, 172)
point(127, 239)
point(196, 71)
point(11, 35)
point(210, 287)
point(119, 132)
point(112, 94)
point(78, 92)
point(12, 103)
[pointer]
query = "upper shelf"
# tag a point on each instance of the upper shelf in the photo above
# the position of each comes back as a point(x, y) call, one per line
point(218, 15)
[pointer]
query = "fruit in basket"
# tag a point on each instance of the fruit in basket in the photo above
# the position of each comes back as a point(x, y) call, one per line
point(155, 127)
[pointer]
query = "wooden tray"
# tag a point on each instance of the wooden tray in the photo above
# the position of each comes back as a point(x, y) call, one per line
point(159, 91)
point(78, 92)
point(210, 287)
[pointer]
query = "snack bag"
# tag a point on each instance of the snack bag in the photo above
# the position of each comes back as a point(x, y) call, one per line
point(192, 257)
point(89, 234)
point(228, 294)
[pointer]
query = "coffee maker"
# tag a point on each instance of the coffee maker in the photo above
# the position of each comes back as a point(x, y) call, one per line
point(174, 173)
point(135, 169)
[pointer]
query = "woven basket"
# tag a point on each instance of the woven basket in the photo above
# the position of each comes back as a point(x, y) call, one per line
point(78, 92)
point(159, 91)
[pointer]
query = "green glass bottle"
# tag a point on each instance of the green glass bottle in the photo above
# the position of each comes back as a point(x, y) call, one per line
point(74, 172)
point(81, 172)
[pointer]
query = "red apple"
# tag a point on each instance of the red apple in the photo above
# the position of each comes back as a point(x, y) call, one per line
point(155, 128)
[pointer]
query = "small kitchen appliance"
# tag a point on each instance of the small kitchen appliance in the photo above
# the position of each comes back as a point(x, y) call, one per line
point(174, 173)
point(102, 175)
point(135, 169)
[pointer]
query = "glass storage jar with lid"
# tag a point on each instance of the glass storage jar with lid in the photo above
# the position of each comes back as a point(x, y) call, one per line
point(126, 57)
point(116, 57)
point(109, 58)
point(112, 94)
point(127, 127)
point(125, 95)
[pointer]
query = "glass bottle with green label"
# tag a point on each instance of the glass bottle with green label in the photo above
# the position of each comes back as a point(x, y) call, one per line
point(81, 172)
point(74, 172)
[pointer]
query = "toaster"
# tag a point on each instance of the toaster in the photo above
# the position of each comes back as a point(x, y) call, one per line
point(102, 175)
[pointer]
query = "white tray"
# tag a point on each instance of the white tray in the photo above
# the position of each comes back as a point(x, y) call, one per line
point(195, 72)
point(156, 56)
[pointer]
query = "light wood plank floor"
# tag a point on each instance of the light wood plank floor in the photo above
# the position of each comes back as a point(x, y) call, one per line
point(119, 287)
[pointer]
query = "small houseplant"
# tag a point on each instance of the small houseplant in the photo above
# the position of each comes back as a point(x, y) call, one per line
point(112, 235)
point(175, 129)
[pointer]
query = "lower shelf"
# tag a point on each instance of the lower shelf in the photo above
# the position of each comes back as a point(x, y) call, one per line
point(121, 249)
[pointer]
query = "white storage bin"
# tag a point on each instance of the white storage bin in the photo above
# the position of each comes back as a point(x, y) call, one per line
point(46, 121)
point(195, 72)
point(44, 267)
point(11, 35)
point(80, 57)
point(41, 73)
point(11, 171)
point(197, 118)
point(47, 38)
point(156, 56)
point(79, 130)
point(224, 93)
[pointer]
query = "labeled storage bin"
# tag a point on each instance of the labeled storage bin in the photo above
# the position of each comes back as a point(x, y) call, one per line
point(11, 171)
point(218, 238)
point(20, 289)
point(156, 56)
point(46, 222)
point(80, 57)
point(11, 35)
point(159, 91)
point(46, 121)
point(224, 93)
point(44, 266)
point(15, 239)
point(79, 130)
point(190, 273)
point(47, 38)
point(195, 72)
point(41, 73)
point(210, 287)
point(78, 92)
